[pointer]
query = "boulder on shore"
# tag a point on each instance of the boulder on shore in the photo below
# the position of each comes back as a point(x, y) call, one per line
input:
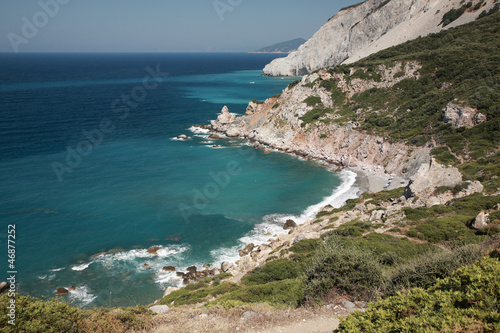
point(246, 250)
point(169, 268)
point(290, 224)
point(215, 136)
point(225, 266)
point(4, 286)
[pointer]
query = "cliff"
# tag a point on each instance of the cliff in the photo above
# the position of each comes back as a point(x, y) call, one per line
point(358, 31)
point(410, 110)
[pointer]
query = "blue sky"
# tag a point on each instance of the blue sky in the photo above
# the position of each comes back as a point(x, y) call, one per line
point(158, 25)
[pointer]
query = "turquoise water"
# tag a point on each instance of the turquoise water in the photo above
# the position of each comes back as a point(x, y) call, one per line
point(135, 186)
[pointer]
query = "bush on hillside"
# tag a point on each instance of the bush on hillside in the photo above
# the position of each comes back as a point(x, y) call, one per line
point(467, 301)
point(346, 268)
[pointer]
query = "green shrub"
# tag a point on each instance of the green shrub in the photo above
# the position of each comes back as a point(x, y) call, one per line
point(427, 267)
point(445, 229)
point(313, 101)
point(417, 214)
point(452, 15)
point(475, 203)
point(185, 296)
point(353, 229)
point(276, 270)
point(304, 249)
point(257, 102)
point(381, 244)
point(293, 84)
point(344, 267)
point(467, 301)
point(377, 198)
point(33, 315)
point(284, 293)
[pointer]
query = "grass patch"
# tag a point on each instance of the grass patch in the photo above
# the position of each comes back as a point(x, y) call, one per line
point(276, 270)
point(283, 293)
point(446, 229)
point(197, 293)
point(377, 198)
point(401, 249)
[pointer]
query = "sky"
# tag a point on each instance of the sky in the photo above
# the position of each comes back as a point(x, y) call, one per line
point(158, 25)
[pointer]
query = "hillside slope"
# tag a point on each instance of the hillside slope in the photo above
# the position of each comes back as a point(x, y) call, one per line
point(386, 113)
point(363, 29)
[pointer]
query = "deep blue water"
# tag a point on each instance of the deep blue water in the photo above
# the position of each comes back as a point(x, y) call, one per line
point(88, 165)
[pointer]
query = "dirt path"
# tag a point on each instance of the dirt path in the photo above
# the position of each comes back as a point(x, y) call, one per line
point(324, 324)
point(252, 320)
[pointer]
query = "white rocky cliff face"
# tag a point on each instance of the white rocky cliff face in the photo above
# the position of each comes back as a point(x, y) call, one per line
point(373, 25)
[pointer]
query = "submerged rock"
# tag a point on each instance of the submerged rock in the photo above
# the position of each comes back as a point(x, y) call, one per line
point(153, 250)
point(62, 291)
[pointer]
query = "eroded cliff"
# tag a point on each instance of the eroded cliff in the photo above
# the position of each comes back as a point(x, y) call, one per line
point(358, 31)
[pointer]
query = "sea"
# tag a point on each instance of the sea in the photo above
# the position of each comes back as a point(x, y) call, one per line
point(92, 174)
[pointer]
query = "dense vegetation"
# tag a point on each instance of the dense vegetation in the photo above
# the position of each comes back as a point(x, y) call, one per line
point(466, 301)
point(34, 316)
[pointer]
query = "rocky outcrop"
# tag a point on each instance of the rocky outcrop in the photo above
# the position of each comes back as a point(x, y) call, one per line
point(246, 250)
point(430, 176)
point(160, 309)
point(462, 116)
point(276, 123)
point(289, 224)
point(369, 27)
point(481, 221)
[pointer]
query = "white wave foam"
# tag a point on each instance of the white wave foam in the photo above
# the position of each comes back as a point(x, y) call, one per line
point(81, 267)
point(338, 198)
point(131, 255)
point(57, 269)
point(178, 139)
point(272, 224)
point(199, 130)
point(82, 296)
